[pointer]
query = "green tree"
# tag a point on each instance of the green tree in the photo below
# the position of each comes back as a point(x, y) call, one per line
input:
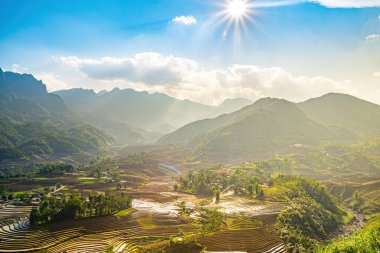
point(250, 189)
point(3, 188)
point(217, 195)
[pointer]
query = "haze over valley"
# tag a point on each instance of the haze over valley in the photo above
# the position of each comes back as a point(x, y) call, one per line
point(190, 126)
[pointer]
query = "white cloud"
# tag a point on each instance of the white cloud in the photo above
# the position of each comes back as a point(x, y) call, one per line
point(348, 3)
point(18, 69)
point(373, 37)
point(186, 20)
point(185, 79)
point(326, 3)
point(149, 68)
point(52, 81)
point(376, 74)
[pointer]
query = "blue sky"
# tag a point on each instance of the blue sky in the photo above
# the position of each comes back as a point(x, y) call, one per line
point(296, 50)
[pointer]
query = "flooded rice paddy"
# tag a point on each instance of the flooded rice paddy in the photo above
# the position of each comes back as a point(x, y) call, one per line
point(147, 229)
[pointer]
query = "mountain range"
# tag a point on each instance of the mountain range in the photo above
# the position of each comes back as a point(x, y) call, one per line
point(135, 117)
point(37, 123)
point(272, 125)
point(34, 122)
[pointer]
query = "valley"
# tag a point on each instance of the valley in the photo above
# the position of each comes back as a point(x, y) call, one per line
point(164, 218)
point(268, 176)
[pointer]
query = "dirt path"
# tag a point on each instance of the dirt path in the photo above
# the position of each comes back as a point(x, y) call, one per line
point(223, 193)
point(55, 191)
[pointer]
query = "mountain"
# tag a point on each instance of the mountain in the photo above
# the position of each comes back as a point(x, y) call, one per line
point(23, 95)
point(231, 105)
point(268, 126)
point(146, 115)
point(153, 112)
point(124, 133)
point(35, 122)
point(344, 110)
point(76, 95)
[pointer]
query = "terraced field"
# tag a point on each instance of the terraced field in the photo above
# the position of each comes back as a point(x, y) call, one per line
point(142, 231)
point(11, 211)
point(149, 229)
point(252, 241)
point(124, 234)
point(244, 235)
point(233, 204)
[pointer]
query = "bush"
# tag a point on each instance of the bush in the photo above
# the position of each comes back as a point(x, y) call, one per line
point(304, 223)
point(311, 214)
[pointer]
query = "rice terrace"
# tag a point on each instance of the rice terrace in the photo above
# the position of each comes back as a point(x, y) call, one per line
point(215, 126)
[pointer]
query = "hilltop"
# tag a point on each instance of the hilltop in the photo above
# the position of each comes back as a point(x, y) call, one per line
point(264, 128)
point(347, 111)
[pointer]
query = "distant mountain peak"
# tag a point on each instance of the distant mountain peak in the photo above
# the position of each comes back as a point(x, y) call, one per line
point(116, 89)
point(334, 95)
point(22, 85)
point(228, 101)
point(344, 110)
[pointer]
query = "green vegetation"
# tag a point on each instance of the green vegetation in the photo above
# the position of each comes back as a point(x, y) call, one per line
point(52, 169)
point(34, 122)
point(77, 206)
point(261, 130)
point(351, 173)
point(201, 182)
point(211, 181)
point(311, 214)
point(39, 171)
point(305, 223)
point(313, 139)
point(211, 221)
point(178, 245)
point(217, 195)
point(124, 212)
point(367, 240)
point(52, 140)
point(344, 110)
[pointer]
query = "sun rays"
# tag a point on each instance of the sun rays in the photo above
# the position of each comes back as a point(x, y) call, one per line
point(235, 15)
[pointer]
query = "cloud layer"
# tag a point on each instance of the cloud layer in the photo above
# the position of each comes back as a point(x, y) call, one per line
point(184, 78)
point(373, 37)
point(348, 3)
point(186, 20)
point(326, 3)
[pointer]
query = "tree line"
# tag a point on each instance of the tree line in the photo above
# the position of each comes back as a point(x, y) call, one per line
point(77, 206)
point(211, 181)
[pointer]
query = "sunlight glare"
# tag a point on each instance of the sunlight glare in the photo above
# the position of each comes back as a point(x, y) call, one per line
point(235, 15)
point(237, 8)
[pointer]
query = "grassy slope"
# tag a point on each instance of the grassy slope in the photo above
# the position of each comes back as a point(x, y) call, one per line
point(346, 111)
point(367, 240)
point(264, 131)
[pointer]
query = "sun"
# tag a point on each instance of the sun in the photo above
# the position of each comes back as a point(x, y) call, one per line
point(237, 8)
point(235, 15)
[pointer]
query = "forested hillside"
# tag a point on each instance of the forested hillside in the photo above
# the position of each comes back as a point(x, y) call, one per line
point(35, 122)
point(268, 126)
